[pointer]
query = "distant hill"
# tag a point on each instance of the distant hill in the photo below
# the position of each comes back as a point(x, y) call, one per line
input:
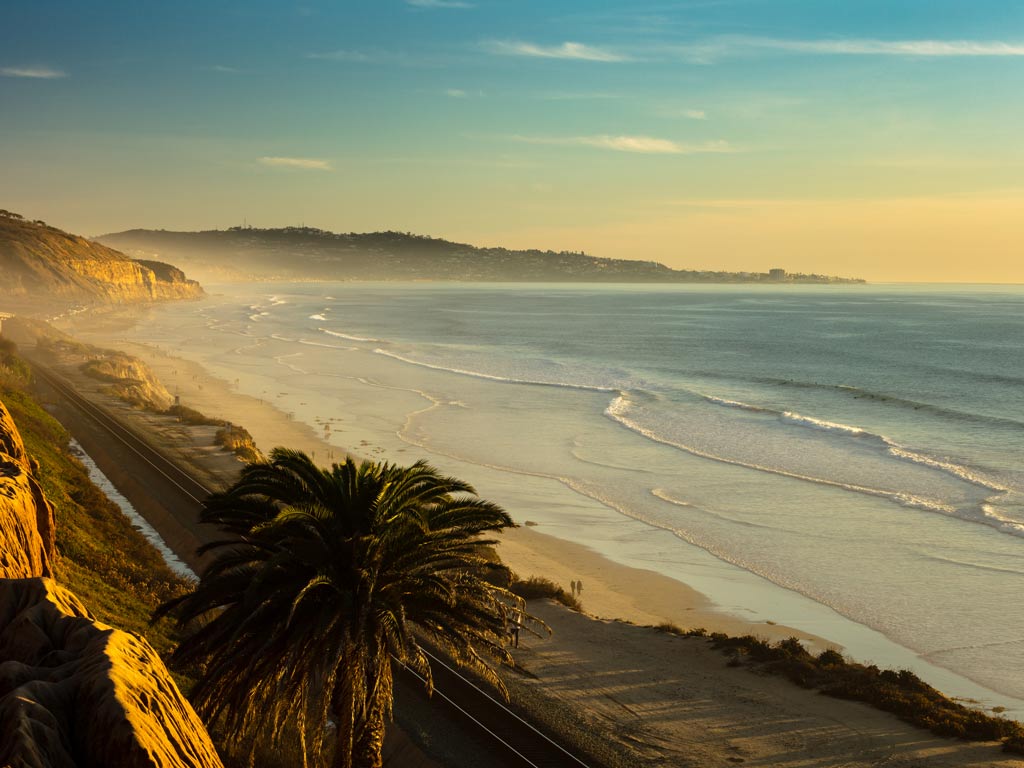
point(42, 264)
point(305, 253)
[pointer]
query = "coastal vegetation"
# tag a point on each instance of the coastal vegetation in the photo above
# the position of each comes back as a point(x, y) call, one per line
point(539, 587)
point(130, 380)
point(900, 692)
point(103, 558)
point(324, 580)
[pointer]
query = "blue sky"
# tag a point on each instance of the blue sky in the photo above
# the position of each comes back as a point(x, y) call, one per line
point(872, 138)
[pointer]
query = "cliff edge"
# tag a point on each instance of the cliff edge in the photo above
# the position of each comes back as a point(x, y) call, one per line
point(41, 261)
point(74, 691)
point(27, 538)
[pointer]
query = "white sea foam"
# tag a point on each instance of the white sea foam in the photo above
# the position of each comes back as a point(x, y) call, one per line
point(619, 407)
point(282, 360)
point(827, 426)
point(321, 318)
point(491, 377)
point(956, 470)
point(309, 343)
point(348, 336)
point(96, 475)
point(735, 404)
point(890, 446)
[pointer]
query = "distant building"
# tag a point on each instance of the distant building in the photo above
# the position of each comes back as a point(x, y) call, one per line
point(776, 274)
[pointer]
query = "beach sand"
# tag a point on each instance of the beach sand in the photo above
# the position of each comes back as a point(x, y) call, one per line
point(671, 701)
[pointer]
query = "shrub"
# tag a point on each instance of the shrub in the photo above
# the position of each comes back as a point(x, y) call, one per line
point(538, 587)
point(900, 692)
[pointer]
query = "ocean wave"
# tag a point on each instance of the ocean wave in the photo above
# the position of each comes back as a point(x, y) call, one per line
point(309, 343)
point(860, 393)
point(825, 426)
point(321, 318)
point(737, 404)
point(891, 447)
point(975, 566)
point(350, 337)
point(957, 470)
point(492, 377)
point(660, 493)
point(618, 411)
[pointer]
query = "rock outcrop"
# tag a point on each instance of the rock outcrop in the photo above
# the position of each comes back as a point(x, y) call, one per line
point(74, 692)
point(26, 518)
point(130, 380)
point(41, 261)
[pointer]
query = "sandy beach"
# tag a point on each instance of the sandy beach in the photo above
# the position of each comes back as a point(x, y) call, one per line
point(610, 590)
point(669, 700)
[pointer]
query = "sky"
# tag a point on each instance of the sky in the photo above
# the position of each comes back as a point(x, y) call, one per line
point(881, 139)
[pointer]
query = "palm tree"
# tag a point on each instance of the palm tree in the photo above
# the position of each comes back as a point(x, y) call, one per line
point(317, 589)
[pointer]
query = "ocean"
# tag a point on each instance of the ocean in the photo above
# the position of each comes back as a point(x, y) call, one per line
point(848, 460)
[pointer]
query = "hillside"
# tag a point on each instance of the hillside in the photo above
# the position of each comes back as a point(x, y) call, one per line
point(40, 262)
point(75, 690)
point(305, 253)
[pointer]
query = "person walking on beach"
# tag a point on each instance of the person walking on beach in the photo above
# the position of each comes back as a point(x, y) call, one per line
point(572, 586)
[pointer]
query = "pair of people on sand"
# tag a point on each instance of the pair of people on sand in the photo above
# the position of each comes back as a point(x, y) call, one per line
point(577, 588)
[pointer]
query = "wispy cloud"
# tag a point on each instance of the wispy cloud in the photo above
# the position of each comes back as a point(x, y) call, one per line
point(567, 50)
point(224, 69)
point(898, 47)
point(715, 48)
point(456, 93)
point(695, 114)
point(306, 163)
point(641, 144)
point(39, 73)
point(438, 4)
point(578, 95)
point(343, 54)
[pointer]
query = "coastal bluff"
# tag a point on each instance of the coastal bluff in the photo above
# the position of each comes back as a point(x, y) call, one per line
point(38, 260)
point(74, 691)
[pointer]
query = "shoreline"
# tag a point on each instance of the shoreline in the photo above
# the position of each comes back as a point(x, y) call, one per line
point(612, 590)
point(667, 699)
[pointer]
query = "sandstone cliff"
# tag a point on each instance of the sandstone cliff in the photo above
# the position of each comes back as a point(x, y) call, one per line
point(73, 691)
point(40, 261)
point(26, 517)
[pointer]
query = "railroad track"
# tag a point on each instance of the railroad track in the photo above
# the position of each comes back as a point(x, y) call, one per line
point(156, 461)
point(461, 708)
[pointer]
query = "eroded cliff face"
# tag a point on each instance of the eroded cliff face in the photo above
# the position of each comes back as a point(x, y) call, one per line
point(74, 692)
point(130, 380)
point(26, 517)
point(39, 260)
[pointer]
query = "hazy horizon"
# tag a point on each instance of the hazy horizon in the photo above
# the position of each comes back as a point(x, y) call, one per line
point(876, 140)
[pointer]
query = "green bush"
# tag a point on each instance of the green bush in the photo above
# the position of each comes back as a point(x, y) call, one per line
point(900, 692)
point(538, 587)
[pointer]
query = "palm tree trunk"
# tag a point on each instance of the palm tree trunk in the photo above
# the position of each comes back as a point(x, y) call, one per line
point(369, 741)
point(344, 717)
point(368, 751)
